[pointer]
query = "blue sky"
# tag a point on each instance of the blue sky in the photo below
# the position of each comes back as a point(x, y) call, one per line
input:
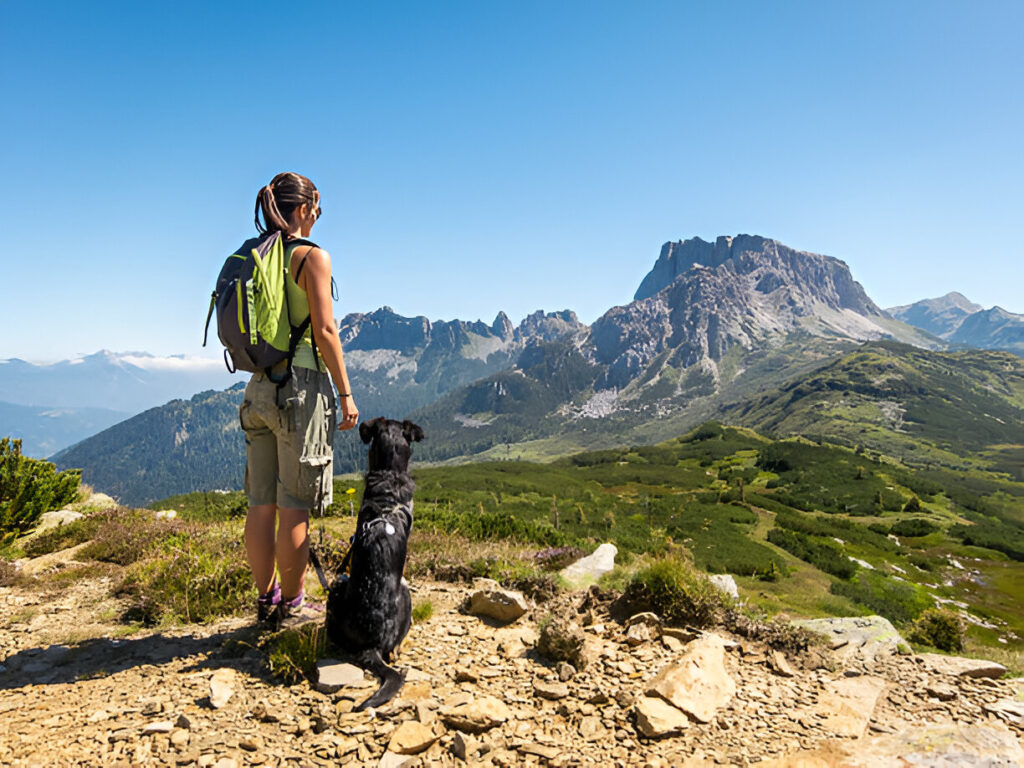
point(477, 156)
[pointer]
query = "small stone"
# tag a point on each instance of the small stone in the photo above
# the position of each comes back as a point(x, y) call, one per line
point(249, 743)
point(152, 708)
point(566, 671)
point(550, 691)
point(547, 753)
point(411, 738)
point(182, 722)
point(302, 725)
point(477, 715)
point(463, 746)
point(779, 664)
point(490, 600)
point(1007, 710)
point(463, 675)
point(394, 760)
point(333, 675)
point(591, 728)
point(221, 687)
point(656, 718)
point(941, 691)
point(179, 738)
point(160, 726)
point(226, 762)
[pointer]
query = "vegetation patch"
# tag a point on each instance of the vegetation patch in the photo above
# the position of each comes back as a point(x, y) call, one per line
point(821, 553)
point(940, 628)
point(672, 588)
point(898, 601)
point(28, 488)
point(292, 654)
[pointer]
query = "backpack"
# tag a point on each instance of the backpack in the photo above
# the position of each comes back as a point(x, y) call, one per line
point(251, 302)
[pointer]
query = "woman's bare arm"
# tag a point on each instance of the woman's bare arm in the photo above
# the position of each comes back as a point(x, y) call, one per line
point(315, 280)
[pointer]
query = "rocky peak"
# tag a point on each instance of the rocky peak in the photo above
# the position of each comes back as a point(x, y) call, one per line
point(548, 326)
point(384, 329)
point(502, 326)
point(940, 316)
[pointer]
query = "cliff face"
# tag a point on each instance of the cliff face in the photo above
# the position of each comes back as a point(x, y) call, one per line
point(701, 299)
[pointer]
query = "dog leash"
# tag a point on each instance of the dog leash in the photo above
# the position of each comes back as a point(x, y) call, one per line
point(347, 561)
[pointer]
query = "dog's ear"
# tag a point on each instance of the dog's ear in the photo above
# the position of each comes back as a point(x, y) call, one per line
point(412, 432)
point(368, 430)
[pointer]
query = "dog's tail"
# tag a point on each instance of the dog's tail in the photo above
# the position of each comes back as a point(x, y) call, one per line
point(391, 680)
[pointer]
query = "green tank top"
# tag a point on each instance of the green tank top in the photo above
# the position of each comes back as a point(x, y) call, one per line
point(298, 310)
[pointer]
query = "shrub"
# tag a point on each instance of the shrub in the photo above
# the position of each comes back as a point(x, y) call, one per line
point(914, 526)
point(7, 573)
point(422, 611)
point(673, 589)
point(898, 601)
point(825, 555)
point(557, 558)
point(913, 505)
point(126, 536)
point(29, 487)
point(558, 640)
point(939, 628)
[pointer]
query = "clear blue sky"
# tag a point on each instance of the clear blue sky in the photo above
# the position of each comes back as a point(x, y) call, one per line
point(477, 156)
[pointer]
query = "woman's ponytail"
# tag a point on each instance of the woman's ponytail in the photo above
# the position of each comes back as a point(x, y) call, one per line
point(279, 199)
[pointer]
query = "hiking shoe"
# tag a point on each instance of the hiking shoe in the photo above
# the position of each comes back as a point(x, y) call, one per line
point(294, 612)
point(266, 605)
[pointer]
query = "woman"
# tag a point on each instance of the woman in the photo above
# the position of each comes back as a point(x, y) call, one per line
point(289, 432)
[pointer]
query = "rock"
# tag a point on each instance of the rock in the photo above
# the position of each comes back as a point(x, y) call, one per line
point(566, 671)
point(656, 718)
point(182, 722)
point(152, 708)
point(393, 760)
point(861, 638)
point(463, 675)
point(541, 751)
point(947, 745)
point(55, 519)
point(179, 738)
point(263, 713)
point(99, 501)
point(411, 738)
point(961, 667)
point(226, 762)
point(698, 683)
point(589, 569)
point(847, 704)
point(591, 728)
point(221, 687)
point(726, 584)
point(941, 691)
point(1008, 710)
point(160, 726)
point(681, 634)
point(550, 691)
point(642, 627)
point(333, 675)
point(779, 664)
point(490, 600)
point(463, 747)
point(476, 716)
point(249, 743)
point(560, 640)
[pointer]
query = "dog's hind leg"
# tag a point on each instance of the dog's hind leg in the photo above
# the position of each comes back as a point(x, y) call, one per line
point(390, 678)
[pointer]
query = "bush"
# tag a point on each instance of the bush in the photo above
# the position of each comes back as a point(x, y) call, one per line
point(940, 628)
point(673, 589)
point(898, 601)
point(823, 554)
point(915, 526)
point(292, 654)
point(913, 505)
point(422, 611)
point(29, 487)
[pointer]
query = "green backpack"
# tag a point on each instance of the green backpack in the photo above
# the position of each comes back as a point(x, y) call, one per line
point(251, 303)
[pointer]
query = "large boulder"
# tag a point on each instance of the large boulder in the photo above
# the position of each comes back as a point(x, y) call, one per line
point(698, 684)
point(959, 666)
point(857, 637)
point(589, 569)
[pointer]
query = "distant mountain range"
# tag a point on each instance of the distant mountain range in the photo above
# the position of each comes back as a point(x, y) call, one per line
point(44, 431)
point(961, 322)
point(714, 329)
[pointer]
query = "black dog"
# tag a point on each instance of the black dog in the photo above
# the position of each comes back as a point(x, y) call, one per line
point(370, 612)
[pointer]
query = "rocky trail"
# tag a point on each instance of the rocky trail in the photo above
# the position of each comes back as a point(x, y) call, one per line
point(478, 692)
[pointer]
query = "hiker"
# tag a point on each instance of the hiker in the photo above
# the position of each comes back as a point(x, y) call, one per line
point(289, 428)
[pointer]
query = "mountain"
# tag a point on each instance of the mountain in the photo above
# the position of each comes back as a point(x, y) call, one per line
point(709, 320)
point(941, 316)
point(129, 382)
point(959, 321)
point(398, 364)
point(395, 365)
point(44, 431)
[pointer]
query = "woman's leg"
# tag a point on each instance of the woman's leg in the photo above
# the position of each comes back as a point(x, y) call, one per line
point(292, 550)
point(259, 544)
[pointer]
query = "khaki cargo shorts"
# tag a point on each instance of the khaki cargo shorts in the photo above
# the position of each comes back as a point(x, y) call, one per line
point(289, 447)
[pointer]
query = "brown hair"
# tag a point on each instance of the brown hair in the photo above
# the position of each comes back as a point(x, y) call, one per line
point(279, 199)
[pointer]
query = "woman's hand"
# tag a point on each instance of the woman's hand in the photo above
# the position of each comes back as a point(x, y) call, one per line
point(349, 413)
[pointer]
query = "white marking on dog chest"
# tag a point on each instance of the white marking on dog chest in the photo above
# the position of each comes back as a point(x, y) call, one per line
point(389, 529)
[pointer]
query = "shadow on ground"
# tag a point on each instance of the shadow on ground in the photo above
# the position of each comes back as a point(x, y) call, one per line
point(100, 657)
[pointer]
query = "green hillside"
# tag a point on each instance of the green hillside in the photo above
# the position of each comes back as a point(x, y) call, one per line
point(809, 529)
